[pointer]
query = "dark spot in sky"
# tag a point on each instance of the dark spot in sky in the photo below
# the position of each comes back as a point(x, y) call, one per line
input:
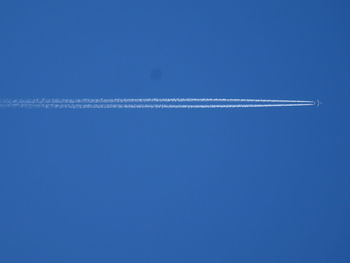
point(156, 74)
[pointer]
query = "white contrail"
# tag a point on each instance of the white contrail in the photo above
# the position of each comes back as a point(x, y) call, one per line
point(150, 103)
point(143, 106)
point(147, 100)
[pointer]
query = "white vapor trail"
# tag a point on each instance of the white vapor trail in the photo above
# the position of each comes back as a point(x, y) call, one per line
point(143, 106)
point(146, 100)
point(150, 103)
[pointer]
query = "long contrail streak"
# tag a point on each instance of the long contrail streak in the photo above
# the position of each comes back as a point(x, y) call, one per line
point(144, 106)
point(151, 103)
point(147, 100)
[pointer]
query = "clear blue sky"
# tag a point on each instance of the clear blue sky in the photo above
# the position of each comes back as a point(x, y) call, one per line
point(252, 185)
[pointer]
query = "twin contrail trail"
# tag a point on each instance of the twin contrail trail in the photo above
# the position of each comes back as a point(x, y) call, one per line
point(151, 103)
point(147, 100)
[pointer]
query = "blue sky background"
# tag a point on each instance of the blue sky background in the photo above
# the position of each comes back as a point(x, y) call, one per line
point(251, 185)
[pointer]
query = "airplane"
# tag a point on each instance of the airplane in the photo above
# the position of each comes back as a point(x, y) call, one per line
point(317, 103)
